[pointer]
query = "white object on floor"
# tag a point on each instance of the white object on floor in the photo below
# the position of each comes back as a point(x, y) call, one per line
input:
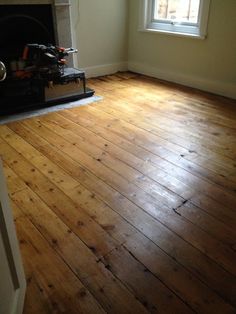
point(43, 111)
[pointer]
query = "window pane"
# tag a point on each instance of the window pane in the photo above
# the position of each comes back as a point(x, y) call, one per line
point(177, 10)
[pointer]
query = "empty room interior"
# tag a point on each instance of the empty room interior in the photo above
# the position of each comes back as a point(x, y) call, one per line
point(117, 156)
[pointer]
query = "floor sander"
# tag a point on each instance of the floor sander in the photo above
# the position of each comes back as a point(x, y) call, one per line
point(40, 78)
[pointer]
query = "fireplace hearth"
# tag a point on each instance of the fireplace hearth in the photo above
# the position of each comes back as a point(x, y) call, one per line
point(37, 74)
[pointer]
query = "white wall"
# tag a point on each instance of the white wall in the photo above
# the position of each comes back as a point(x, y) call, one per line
point(101, 35)
point(106, 33)
point(208, 64)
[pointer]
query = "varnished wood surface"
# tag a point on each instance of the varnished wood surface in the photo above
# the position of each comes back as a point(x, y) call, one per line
point(127, 205)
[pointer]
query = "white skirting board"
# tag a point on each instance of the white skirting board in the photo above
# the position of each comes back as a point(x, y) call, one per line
point(216, 87)
point(105, 69)
point(43, 111)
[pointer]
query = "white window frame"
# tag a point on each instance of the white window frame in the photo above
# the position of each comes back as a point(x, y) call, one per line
point(195, 30)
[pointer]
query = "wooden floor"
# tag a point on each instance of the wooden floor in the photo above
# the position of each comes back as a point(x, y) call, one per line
point(127, 205)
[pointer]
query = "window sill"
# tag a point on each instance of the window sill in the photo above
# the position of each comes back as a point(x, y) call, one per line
point(170, 33)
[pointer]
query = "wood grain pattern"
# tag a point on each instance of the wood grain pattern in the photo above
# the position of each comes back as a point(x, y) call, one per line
point(127, 205)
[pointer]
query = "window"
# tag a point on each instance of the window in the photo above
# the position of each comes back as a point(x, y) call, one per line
point(181, 17)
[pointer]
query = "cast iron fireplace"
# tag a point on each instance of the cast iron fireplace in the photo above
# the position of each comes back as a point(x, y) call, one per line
point(21, 25)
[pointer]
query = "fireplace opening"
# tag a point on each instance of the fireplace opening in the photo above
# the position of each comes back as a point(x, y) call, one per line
point(21, 25)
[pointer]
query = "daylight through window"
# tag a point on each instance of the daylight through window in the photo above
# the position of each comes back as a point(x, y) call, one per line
point(182, 17)
point(177, 10)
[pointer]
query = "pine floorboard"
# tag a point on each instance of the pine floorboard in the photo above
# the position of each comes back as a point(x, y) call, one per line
point(127, 205)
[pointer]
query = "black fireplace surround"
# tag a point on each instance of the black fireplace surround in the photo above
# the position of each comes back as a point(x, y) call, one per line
point(21, 25)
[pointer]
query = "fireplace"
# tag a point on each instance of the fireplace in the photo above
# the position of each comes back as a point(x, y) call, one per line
point(22, 24)
point(48, 24)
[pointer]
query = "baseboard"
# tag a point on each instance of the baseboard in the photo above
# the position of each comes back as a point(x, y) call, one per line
point(216, 87)
point(105, 69)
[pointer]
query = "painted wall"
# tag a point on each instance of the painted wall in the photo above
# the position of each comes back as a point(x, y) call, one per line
point(208, 64)
point(101, 34)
